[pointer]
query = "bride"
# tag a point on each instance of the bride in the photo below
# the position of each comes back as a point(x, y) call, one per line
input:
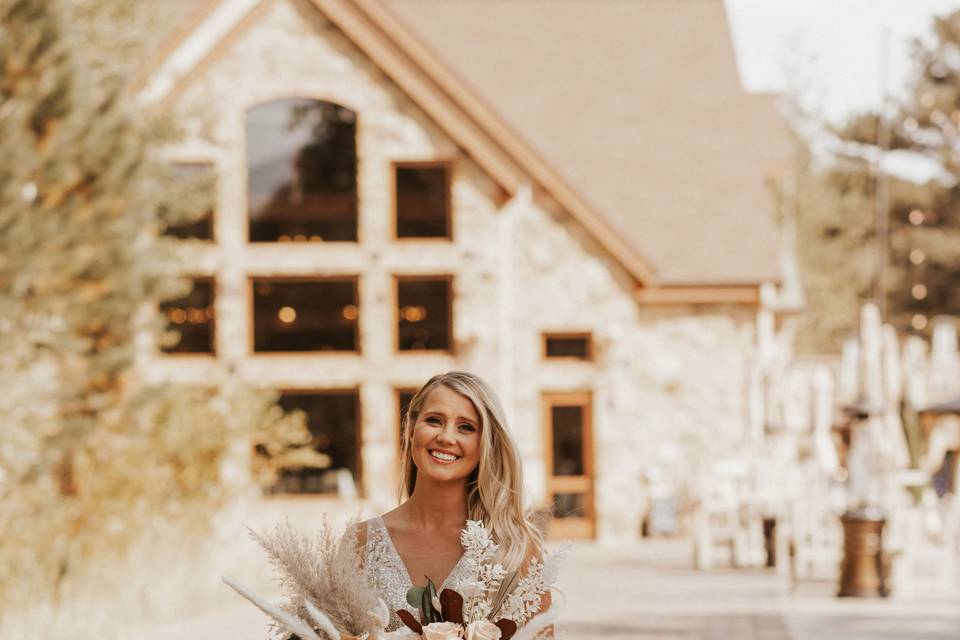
point(458, 463)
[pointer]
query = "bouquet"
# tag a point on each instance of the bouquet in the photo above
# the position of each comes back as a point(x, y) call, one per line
point(329, 595)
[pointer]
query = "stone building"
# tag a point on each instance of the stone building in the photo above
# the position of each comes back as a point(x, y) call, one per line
point(567, 198)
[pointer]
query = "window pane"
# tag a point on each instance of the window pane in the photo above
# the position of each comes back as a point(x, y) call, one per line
point(403, 397)
point(304, 315)
point(422, 202)
point(424, 312)
point(569, 505)
point(192, 318)
point(302, 172)
point(333, 421)
point(196, 183)
point(568, 347)
point(567, 425)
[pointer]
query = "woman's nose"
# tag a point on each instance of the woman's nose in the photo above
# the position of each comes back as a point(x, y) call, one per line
point(447, 433)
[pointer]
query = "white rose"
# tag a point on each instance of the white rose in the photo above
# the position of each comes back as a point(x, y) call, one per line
point(482, 630)
point(469, 588)
point(442, 631)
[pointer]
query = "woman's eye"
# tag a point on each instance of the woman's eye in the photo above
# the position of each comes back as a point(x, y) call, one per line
point(433, 420)
point(467, 427)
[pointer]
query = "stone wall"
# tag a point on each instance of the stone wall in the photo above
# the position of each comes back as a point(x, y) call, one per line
point(668, 383)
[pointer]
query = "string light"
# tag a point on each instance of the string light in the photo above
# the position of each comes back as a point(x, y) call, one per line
point(919, 322)
point(919, 291)
point(910, 125)
point(413, 313)
point(193, 315)
point(916, 217)
point(927, 100)
point(350, 312)
point(917, 256)
point(287, 314)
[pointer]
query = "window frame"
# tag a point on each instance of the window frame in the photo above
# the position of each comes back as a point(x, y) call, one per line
point(449, 166)
point(395, 305)
point(215, 293)
point(252, 279)
point(567, 335)
point(245, 168)
point(360, 481)
point(398, 391)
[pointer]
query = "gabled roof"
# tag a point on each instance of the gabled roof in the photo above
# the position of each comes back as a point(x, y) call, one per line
point(630, 114)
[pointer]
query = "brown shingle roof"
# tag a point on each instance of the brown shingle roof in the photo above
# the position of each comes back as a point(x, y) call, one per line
point(638, 105)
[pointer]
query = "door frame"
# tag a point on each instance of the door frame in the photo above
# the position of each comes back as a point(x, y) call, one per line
point(580, 528)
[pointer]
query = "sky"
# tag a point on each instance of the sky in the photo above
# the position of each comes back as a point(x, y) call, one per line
point(842, 40)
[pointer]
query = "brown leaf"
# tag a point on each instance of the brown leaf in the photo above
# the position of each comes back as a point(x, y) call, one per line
point(407, 618)
point(452, 606)
point(507, 628)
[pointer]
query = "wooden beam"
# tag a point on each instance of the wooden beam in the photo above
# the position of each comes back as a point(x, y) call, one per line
point(729, 294)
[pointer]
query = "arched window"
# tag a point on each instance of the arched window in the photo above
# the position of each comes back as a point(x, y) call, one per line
point(302, 172)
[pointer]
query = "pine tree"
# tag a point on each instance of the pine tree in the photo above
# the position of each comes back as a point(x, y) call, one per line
point(925, 219)
point(836, 206)
point(90, 455)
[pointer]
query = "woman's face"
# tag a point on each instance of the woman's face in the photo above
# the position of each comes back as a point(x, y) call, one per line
point(446, 436)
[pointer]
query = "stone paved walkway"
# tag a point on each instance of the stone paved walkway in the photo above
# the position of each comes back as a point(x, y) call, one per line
point(649, 591)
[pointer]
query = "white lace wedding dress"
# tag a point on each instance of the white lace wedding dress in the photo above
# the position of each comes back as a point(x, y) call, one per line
point(390, 575)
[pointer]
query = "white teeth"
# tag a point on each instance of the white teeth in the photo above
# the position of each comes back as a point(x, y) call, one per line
point(443, 456)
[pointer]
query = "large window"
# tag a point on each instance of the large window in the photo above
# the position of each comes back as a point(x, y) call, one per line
point(190, 320)
point(422, 200)
point(404, 396)
point(423, 313)
point(196, 188)
point(334, 466)
point(305, 315)
point(302, 172)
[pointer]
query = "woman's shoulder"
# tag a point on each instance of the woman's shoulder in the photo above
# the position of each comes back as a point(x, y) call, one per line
point(359, 532)
point(362, 529)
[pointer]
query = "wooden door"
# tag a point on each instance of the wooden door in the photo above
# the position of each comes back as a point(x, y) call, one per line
point(568, 439)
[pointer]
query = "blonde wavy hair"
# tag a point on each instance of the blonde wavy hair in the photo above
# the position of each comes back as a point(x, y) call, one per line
point(495, 487)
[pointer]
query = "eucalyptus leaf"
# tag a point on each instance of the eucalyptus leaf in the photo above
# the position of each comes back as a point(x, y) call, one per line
point(429, 612)
point(415, 596)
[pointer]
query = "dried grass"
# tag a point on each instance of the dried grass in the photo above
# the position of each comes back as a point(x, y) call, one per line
point(325, 570)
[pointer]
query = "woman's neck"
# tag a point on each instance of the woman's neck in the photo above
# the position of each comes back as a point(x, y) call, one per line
point(435, 505)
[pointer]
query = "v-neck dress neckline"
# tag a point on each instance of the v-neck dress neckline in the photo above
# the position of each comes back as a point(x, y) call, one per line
point(399, 558)
point(390, 575)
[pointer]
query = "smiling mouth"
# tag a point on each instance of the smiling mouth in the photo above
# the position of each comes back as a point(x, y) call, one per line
point(442, 456)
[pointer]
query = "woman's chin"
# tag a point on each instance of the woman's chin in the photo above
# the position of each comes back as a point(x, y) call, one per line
point(443, 473)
